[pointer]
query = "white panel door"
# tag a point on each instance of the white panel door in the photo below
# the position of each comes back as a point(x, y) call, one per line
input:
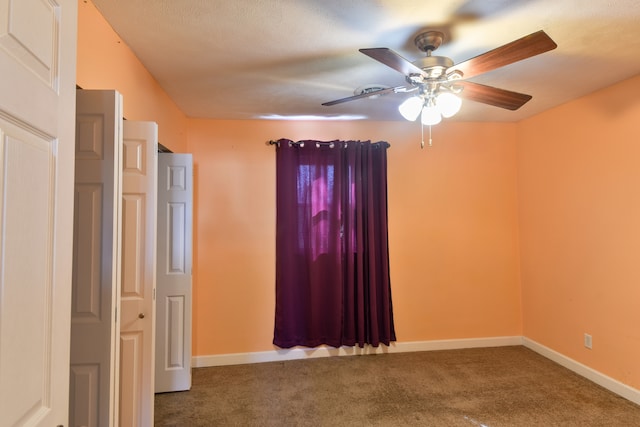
point(173, 302)
point(96, 260)
point(137, 318)
point(37, 108)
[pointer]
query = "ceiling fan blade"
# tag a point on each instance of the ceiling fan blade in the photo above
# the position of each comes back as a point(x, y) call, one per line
point(523, 48)
point(366, 95)
point(393, 60)
point(492, 95)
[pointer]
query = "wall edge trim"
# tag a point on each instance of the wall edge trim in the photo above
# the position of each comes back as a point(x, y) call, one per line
point(277, 355)
point(591, 374)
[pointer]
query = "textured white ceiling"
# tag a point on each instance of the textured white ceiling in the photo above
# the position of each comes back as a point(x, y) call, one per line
point(245, 59)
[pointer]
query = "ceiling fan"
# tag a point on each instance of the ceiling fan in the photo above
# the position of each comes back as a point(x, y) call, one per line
point(435, 78)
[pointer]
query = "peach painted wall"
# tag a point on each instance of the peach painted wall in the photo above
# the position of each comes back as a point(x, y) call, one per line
point(579, 204)
point(453, 229)
point(564, 181)
point(105, 62)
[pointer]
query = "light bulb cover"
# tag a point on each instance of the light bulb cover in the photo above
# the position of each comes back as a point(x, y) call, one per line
point(411, 107)
point(448, 104)
point(431, 115)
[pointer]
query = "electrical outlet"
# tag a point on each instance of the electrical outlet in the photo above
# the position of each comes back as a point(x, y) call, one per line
point(588, 341)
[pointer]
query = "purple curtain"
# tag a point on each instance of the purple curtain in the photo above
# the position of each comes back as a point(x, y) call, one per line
point(332, 258)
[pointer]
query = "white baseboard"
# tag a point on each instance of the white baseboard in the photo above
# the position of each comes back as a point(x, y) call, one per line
point(324, 351)
point(276, 355)
point(609, 383)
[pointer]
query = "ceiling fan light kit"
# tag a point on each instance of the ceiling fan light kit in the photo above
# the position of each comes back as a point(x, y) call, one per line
point(441, 83)
point(444, 104)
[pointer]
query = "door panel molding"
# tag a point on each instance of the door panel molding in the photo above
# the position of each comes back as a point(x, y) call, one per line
point(27, 207)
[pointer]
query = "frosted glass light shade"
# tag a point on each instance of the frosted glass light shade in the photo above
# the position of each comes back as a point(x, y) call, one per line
point(431, 115)
point(448, 104)
point(411, 107)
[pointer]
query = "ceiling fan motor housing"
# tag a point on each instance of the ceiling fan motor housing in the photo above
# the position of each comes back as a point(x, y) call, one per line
point(434, 66)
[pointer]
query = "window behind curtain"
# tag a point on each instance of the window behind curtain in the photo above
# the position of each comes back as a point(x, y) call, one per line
point(332, 262)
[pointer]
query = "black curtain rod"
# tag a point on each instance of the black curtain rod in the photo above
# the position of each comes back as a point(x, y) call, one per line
point(272, 142)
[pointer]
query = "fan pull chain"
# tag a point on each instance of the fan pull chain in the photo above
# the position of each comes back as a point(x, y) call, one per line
point(422, 136)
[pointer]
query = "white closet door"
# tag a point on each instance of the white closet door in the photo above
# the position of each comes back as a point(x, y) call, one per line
point(137, 319)
point(37, 115)
point(96, 267)
point(173, 305)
